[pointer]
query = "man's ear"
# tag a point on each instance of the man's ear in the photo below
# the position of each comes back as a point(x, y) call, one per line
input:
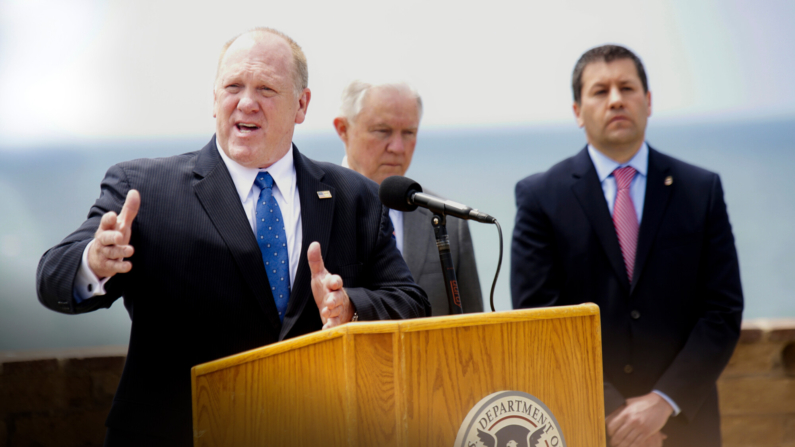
point(303, 106)
point(341, 126)
point(576, 108)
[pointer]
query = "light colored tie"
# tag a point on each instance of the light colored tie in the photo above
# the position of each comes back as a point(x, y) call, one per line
point(625, 218)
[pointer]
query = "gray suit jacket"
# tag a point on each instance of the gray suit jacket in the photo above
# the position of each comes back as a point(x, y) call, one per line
point(422, 257)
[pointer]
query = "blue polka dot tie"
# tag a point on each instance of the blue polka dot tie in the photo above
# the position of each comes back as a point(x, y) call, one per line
point(272, 242)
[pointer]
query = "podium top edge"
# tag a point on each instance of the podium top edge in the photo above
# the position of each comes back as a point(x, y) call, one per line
point(394, 326)
point(485, 318)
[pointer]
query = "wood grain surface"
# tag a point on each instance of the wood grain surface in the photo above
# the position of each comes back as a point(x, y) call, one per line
point(403, 383)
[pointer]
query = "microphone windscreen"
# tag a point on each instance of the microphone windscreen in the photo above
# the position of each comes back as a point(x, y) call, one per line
point(394, 192)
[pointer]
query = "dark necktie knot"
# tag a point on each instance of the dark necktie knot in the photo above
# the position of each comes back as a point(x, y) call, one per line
point(624, 176)
point(264, 180)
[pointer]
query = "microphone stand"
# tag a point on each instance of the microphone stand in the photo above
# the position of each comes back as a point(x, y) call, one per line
point(448, 271)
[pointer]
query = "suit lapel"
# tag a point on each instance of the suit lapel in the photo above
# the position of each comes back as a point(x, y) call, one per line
point(588, 191)
point(316, 220)
point(416, 240)
point(216, 192)
point(655, 204)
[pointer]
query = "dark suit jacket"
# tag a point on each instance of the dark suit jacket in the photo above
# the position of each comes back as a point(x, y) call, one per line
point(198, 289)
point(422, 257)
point(675, 328)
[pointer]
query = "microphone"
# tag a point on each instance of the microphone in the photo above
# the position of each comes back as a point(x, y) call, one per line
point(404, 194)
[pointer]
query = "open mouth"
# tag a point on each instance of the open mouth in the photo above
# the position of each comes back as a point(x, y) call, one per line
point(246, 127)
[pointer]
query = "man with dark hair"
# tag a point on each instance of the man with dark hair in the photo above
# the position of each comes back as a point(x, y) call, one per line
point(647, 238)
point(243, 243)
point(606, 54)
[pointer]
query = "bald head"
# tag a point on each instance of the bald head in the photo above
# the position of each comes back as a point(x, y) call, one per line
point(299, 67)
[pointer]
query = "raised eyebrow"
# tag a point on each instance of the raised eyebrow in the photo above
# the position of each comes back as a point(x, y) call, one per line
point(230, 80)
point(230, 75)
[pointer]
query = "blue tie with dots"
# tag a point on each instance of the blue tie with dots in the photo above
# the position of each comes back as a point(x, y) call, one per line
point(272, 242)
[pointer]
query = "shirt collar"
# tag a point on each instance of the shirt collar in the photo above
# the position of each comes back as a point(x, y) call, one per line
point(605, 165)
point(283, 173)
point(344, 163)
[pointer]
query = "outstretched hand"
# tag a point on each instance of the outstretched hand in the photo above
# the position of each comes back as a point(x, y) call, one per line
point(332, 301)
point(112, 239)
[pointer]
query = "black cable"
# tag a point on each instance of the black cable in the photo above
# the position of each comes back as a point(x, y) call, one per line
point(499, 264)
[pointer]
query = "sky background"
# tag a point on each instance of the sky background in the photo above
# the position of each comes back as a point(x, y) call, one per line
point(93, 70)
point(86, 84)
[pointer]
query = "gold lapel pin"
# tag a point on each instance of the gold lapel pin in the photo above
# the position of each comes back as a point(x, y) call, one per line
point(324, 194)
point(669, 181)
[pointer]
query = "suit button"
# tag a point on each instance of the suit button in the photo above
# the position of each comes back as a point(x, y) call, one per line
point(628, 369)
point(634, 314)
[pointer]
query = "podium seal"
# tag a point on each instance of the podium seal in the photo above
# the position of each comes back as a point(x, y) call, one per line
point(510, 419)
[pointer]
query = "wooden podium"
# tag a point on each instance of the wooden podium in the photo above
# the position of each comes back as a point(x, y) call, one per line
point(407, 383)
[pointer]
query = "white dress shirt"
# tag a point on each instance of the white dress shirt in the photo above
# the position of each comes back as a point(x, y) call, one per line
point(395, 215)
point(285, 191)
point(637, 193)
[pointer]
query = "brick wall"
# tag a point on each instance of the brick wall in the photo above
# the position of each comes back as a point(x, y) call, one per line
point(57, 398)
point(757, 389)
point(61, 398)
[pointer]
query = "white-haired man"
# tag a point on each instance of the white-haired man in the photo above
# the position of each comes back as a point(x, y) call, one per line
point(378, 125)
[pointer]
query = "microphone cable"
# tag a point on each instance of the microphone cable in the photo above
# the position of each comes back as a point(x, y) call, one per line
point(499, 264)
point(404, 194)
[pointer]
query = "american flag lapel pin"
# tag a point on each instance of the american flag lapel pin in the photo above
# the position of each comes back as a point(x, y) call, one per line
point(324, 194)
point(669, 181)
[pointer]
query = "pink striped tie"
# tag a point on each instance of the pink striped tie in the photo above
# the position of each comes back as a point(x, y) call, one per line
point(625, 218)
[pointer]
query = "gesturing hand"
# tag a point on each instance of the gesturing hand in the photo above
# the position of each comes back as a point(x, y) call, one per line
point(638, 421)
point(332, 301)
point(112, 239)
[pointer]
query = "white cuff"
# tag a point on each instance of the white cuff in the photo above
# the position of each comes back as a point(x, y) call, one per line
point(87, 284)
point(670, 402)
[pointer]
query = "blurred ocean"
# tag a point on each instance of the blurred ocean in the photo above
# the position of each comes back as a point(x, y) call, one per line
point(45, 193)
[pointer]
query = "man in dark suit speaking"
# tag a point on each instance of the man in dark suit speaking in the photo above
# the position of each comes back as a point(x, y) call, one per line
point(378, 125)
point(647, 238)
point(243, 243)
